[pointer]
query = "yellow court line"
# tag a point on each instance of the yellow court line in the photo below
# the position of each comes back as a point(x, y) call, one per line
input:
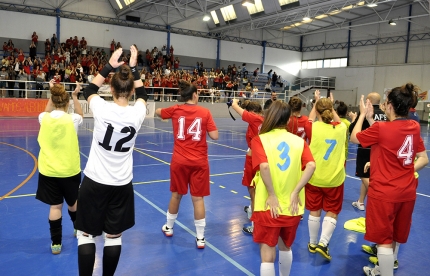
point(234, 192)
point(226, 146)
point(153, 157)
point(28, 177)
point(247, 197)
point(221, 186)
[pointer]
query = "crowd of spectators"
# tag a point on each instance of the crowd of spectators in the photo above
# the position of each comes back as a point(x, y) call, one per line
point(73, 60)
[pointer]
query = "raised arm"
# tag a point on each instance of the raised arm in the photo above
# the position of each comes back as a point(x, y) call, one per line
point(76, 104)
point(236, 107)
point(91, 90)
point(138, 84)
point(359, 122)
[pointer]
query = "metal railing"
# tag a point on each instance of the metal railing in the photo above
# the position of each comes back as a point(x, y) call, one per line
point(33, 89)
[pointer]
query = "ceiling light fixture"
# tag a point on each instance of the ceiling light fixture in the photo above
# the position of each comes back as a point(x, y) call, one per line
point(372, 4)
point(206, 17)
point(248, 2)
point(392, 22)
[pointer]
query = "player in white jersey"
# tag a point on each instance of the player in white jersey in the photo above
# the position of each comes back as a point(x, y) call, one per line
point(106, 200)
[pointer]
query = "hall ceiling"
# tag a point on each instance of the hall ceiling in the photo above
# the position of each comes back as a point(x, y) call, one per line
point(324, 15)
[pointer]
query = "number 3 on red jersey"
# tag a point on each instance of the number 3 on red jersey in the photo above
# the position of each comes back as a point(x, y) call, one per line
point(406, 150)
point(195, 129)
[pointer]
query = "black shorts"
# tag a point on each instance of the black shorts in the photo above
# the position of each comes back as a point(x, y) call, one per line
point(54, 190)
point(104, 208)
point(363, 156)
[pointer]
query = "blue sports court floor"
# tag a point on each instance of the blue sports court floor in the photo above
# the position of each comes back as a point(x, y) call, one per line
point(24, 229)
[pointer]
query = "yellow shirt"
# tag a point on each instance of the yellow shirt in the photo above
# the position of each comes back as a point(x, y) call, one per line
point(328, 149)
point(284, 151)
point(59, 147)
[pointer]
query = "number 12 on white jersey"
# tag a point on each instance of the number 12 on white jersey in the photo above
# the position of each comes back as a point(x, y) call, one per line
point(195, 129)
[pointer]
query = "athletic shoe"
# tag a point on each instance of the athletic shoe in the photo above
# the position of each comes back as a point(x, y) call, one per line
point(370, 249)
point(245, 208)
point(301, 217)
point(167, 231)
point(358, 205)
point(312, 247)
point(371, 271)
point(323, 250)
point(374, 260)
point(56, 249)
point(200, 243)
point(248, 230)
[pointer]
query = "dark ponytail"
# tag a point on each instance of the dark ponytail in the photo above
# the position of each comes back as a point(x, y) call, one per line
point(122, 82)
point(403, 98)
point(186, 90)
point(342, 109)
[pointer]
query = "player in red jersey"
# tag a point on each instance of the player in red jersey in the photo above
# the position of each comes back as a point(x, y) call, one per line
point(251, 112)
point(297, 123)
point(392, 188)
point(189, 166)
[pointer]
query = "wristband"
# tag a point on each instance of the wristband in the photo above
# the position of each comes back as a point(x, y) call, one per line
point(135, 73)
point(141, 93)
point(106, 70)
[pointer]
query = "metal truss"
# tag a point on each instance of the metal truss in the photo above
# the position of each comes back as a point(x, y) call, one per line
point(368, 42)
point(139, 25)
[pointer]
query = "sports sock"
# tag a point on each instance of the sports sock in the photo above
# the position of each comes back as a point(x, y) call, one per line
point(386, 261)
point(72, 217)
point(111, 256)
point(285, 262)
point(396, 251)
point(328, 226)
point(314, 228)
point(267, 269)
point(249, 212)
point(171, 219)
point(200, 228)
point(56, 230)
point(86, 259)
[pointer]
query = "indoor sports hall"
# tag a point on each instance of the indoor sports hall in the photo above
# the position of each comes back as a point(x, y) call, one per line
point(146, 251)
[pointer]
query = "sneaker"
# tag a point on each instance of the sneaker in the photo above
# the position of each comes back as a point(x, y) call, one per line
point(246, 208)
point(323, 250)
point(371, 271)
point(56, 249)
point(312, 247)
point(200, 243)
point(374, 260)
point(167, 231)
point(370, 249)
point(248, 230)
point(301, 217)
point(358, 205)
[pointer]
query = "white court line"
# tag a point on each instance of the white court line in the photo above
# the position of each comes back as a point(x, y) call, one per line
point(423, 195)
point(222, 254)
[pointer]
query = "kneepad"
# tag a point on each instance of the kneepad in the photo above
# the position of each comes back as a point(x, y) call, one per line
point(112, 241)
point(84, 238)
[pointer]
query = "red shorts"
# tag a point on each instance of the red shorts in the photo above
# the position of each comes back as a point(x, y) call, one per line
point(270, 235)
point(248, 172)
point(197, 176)
point(328, 199)
point(387, 222)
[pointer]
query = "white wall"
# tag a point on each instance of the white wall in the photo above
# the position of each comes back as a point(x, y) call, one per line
point(234, 51)
point(193, 46)
point(288, 61)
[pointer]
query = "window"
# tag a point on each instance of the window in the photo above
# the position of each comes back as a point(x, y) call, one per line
point(228, 13)
point(128, 2)
point(304, 65)
point(286, 2)
point(325, 63)
point(256, 8)
point(214, 17)
point(119, 4)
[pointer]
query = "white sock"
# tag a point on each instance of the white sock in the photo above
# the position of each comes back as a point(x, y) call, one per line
point(249, 212)
point(267, 269)
point(171, 219)
point(396, 251)
point(386, 261)
point(314, 228)
point(328, 226)
point(200, 228)
point(285, 262)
